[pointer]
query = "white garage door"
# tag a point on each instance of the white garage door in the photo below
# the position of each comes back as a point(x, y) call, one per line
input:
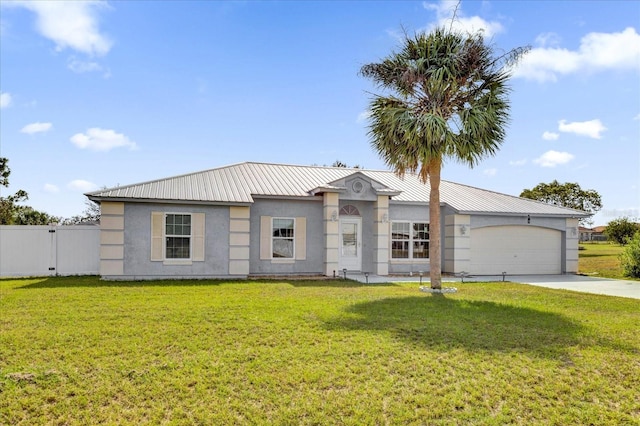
point(516, 250)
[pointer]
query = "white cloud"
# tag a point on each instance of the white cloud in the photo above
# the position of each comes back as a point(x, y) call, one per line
point(597, 51)
point(518, 162)
point(5, 100)
point(591, 128)
point(80, 67)
point(363, 117)
point(36, 127)
point(637, 117)
point(548, 39)
point(490, 172)
point(70, 24)
point(550, 136)
point(553, 158)
point(445, 10)
point(50, 188)
point(98, 139)
point(82, 185)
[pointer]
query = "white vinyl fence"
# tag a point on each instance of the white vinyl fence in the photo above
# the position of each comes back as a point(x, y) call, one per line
point(49, 250)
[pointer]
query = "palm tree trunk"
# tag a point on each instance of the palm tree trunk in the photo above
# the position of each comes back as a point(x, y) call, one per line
point(435, 257)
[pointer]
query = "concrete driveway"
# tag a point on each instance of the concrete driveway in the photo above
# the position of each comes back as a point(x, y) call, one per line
point(609, 287)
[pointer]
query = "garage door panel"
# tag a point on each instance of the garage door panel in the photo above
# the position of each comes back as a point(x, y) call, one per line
point(516, 250)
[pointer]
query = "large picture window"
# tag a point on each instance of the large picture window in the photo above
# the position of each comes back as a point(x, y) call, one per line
point(409, 240)
point(283, 238)
point(178, 236)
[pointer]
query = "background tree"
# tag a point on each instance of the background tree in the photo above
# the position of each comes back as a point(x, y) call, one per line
point(13, 214)
point(8, 203)
point(90, 215)
point(621, 230)
point(26, 215)
point(8, 206)
point(630, 257)
point(339, 163)
point(447, 99)
point(568, 195)
point(5, 171)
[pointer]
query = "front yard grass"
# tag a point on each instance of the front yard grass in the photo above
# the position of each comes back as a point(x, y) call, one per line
point(601, 260)
point(79, 350)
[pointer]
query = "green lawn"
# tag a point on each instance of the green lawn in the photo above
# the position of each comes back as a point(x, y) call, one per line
point(601, 260)
point(81, 351)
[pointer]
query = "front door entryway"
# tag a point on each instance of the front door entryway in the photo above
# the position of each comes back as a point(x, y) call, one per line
point(351, 243)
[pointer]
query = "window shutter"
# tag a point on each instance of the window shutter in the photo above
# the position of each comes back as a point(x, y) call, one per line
point(301, 238)
point(198, 237)
point(265, 237)
point(157, 223)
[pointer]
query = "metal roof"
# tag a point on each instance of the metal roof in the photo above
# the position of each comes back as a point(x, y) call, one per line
point(239, 183)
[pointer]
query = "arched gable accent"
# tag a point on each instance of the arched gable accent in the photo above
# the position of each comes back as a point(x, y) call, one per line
point(349, 210)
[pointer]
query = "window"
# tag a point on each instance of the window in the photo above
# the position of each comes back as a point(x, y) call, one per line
point(409, 240)
point(177, 236)
point(400, 240)
point(283, 238)
point(420, 240)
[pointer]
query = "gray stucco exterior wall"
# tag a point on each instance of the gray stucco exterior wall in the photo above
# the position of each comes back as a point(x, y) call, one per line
point(137, 263)
point(480, 221)
point(137, 242)
point(312, 211)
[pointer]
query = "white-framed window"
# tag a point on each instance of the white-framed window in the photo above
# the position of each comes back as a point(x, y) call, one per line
point(177, 236)
point(409, 240)
point(283, 237)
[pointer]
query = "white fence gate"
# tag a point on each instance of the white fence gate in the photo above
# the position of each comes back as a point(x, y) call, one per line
point(49, 250)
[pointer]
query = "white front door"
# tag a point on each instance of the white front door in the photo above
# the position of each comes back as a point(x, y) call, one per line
point(351, 243)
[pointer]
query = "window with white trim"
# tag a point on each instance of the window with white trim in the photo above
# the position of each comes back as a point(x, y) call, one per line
point(283, 238)
point(177, 236)
point(409, 240)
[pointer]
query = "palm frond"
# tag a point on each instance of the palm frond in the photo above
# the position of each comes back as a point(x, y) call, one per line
point(450, 100)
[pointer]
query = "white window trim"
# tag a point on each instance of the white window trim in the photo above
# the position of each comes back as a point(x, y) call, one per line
point(409, 259)
point(182, 260)
point(291, 259)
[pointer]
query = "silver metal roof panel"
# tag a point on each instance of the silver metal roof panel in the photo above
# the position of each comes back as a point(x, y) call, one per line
point(238, 183)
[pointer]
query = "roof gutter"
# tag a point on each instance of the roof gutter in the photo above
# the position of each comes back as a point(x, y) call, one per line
point(162, 201)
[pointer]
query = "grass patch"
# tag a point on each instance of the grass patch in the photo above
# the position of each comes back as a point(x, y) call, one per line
point(82, 351)
point(601, 260)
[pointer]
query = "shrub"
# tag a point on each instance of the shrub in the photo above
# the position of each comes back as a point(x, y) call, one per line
point(630, 257)
point(620, 230)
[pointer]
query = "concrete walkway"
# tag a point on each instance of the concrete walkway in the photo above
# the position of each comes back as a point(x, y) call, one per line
point(606, 286)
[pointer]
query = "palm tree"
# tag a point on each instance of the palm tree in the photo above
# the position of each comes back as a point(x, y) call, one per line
point(446, 99)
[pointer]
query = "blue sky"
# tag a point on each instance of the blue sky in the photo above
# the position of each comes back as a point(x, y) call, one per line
point(98, 94)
